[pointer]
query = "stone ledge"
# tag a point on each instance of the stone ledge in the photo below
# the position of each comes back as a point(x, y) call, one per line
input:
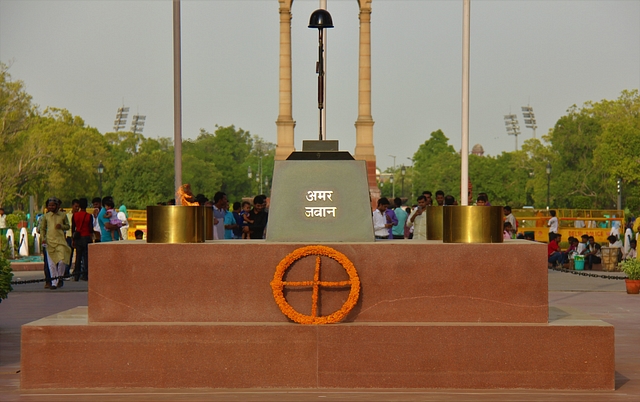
point(402, 281)
point(285, 355)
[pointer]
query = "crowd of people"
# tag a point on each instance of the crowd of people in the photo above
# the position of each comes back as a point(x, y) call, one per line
point(398, 222)
point(65, 233)
point(243, 221)
point(587, 246)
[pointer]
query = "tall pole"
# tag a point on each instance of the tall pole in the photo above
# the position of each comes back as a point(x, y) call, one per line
point(320, 83)
point(177, 99)
point(619, 205)
point(548, 170)
point(323, 112)
point(393, 188)
point(464, 154)
point(260, 173)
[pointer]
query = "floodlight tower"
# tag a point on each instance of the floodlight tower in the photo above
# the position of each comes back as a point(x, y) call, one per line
point(511, 121)
point(121, 119)
point(137, 123)
point(529, 119)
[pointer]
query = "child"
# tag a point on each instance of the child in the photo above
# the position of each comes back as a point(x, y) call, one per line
point(112, 215)
point(506, 234)
point(246, 209)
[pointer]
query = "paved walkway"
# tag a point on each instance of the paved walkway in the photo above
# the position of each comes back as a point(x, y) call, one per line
point(602, 298)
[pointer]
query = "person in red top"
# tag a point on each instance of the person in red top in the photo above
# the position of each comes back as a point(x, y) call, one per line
point(554, 254)
point(82, 229)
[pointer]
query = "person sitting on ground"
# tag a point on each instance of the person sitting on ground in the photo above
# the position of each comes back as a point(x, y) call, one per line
point(614, 241)
point(112, 215)
point(138, 234)
point(573, 245)
point(632, 253)
point(583, 245)
point(554, 253)
point(593, 253)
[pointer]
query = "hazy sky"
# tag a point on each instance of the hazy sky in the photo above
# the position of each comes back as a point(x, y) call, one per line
point(90, 56)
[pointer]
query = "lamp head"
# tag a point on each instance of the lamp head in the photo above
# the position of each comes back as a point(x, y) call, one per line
point(320, 19)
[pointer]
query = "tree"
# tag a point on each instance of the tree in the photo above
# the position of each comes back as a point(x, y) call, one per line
point(618, 149)
point(146, 179)
point(573, 140)
point(16, 160)
point(72, 152)
point(228, 150)
point(437, 166)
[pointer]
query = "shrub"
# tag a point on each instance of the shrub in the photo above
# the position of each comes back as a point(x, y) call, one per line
point(5, 277)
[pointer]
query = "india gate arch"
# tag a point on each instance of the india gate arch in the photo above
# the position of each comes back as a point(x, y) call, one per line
point(285, 124)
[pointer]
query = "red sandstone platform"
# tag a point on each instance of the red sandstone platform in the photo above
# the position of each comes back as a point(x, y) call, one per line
point(402, 281)
point(569, 353)
point(430, 315)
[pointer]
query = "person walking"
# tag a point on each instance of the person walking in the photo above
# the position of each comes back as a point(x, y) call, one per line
point(52, 227)
point(82, 228)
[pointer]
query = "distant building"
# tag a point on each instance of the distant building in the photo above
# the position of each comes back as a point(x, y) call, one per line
point(477, 150)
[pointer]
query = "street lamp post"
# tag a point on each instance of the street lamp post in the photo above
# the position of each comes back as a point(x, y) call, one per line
point(403, 171)
point(548, 182)
point(619, 183)
point(100, 172)
point(393, 187)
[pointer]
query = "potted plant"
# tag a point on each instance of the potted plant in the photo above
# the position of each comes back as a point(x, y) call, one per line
point(631, 267)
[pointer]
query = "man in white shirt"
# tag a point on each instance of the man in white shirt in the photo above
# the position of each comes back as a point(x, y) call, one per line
point(418, 220)
point(219, 211)
point(552, 224)
point(380, 225)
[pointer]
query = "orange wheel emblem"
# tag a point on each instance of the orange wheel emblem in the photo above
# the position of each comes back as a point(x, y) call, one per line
point(277, 285)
